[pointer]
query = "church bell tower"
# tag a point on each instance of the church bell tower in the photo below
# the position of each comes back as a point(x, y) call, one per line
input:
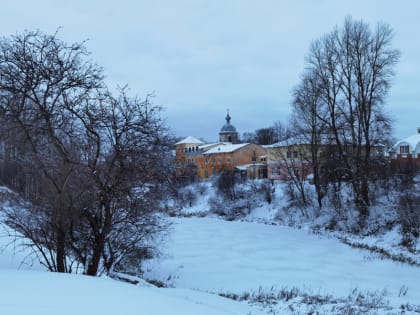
point(228, 132)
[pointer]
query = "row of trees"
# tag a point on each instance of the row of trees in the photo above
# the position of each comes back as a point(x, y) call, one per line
point(339, 102)
point(269, 135)
point(91, 162)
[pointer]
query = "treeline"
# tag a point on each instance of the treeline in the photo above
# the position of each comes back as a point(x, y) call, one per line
point(338, 109)
point(92, 163)
point(340, 131)
point(342, 94)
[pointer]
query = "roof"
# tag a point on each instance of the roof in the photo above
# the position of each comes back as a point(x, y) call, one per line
point(207, 145)
point(226, 148)
point(305, 139)
point(295, 140)
point(228, 128)
point(190, 140)
point(412, 141)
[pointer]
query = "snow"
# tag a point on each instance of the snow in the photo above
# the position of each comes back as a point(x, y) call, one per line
point(226, 148)
point(13, 255)
point(301, 139)
point(190, 140)
point(413, 141)
point(204, 147)
point(24, 290)
point(209, 254)
point(205, 257)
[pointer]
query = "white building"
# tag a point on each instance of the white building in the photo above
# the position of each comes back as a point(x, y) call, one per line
point(408, 147)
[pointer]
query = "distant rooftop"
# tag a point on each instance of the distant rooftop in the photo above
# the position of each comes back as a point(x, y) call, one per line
point(412, 141)
point(226, 148)
point(190, 140)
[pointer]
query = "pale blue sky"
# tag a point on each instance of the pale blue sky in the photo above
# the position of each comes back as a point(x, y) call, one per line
point(201, 57)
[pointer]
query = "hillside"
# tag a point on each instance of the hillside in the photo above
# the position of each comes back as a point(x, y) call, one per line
point(212, 266)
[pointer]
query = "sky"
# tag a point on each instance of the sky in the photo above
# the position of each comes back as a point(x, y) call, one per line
point(200, 58)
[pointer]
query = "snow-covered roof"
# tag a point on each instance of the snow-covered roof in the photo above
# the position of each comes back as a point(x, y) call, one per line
point(209, 145)
point(226, 148)
point(295, 140)
point(305, 139)
point(190, 140)
point(413, 141)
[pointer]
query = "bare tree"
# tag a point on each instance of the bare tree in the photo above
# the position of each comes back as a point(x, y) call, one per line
point(91, 163)
point(128, 175)
point(294, 164)
point(353, 67)
point(40, 77)
point(268, 135)
point(307, 110)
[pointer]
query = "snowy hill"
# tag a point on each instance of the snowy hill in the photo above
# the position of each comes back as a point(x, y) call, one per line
point(214, 266)
point(27, 288)
point(40, 293)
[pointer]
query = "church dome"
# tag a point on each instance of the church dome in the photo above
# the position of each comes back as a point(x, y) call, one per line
point(228, 132)
point(228, 127)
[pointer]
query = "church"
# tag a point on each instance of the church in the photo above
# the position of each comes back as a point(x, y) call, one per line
point(228, 154)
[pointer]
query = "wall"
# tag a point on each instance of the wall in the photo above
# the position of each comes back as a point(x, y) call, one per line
point(210, 164)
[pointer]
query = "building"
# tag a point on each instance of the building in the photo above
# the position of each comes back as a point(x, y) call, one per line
point(246, 157)
point(408, 148)
point(295, 155)
point(228, 132)
point(405, 153)
point(187, 148)
point(208, 159)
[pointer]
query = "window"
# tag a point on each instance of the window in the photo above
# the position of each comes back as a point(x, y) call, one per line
point(228, 159)
point(273, 171)
point(295, 154)
point(405, 149)
point(207, 161)
point(289, 154)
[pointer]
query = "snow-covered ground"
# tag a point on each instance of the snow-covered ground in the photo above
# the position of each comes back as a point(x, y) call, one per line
point(26, 288)
point(41, 293)
point(219, 256)
point(262, 268)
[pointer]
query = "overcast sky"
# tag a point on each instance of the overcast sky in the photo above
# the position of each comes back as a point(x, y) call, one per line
point(200, 58)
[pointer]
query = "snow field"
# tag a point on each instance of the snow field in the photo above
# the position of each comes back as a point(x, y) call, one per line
point(213, 255)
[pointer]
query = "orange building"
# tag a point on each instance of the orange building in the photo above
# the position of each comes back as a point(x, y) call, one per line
point(209, 159)
point(230, 157)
